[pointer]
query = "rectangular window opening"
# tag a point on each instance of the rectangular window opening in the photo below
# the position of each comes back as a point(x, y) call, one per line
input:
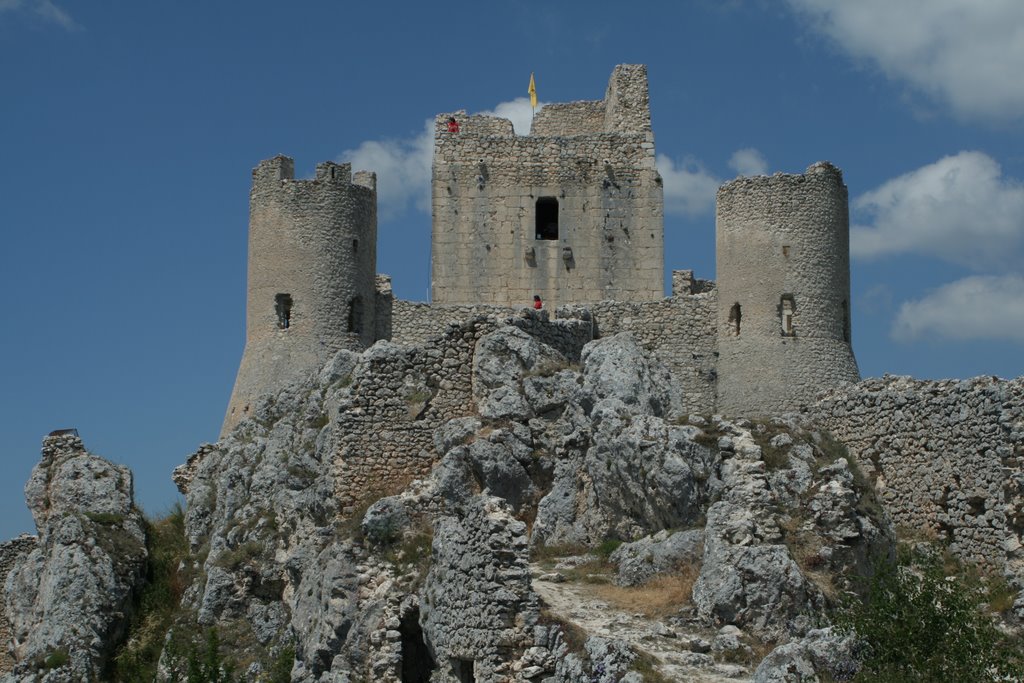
point(735, 316)
point(283, 309)
point(547, 218)
point(355, 315)
point(786, 309)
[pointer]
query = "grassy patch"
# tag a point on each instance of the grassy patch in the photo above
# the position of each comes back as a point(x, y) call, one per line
point(106, 518)
point(662, 596)
point(55, 659)
point(548, 555)
point(645, 664)
point(239, 556)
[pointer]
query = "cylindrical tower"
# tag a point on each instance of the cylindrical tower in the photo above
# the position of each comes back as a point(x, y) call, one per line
point(312, 271)
point(783, 271)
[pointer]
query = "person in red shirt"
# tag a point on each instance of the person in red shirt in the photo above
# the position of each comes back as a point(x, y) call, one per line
point(453, 125)
point(537, 303)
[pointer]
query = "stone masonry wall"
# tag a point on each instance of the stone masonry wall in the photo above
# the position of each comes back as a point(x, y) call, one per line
point(679, 330)
point(9, 554)
point(948, 456)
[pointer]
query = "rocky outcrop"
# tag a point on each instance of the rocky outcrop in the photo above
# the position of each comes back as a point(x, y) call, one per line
point(67, 599)
point(788, 524)
point(417, 568)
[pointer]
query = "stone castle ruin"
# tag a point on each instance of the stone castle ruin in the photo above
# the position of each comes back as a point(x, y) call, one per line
point(572, 212)
point(391, 474)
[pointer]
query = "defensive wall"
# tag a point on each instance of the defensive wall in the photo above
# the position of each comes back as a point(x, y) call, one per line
point(400, 394)
point(947, 456)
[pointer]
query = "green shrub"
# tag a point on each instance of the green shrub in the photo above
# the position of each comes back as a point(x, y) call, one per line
point(208, 666)
point(281, 669)
point(917, 624)
point(56, 659)
point(108, 518)
point(157, 603)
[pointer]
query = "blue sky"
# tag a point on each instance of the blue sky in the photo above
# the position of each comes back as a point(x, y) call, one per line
point(128, 131)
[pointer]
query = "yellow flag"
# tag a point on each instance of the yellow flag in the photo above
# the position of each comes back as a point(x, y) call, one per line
point(533, 92)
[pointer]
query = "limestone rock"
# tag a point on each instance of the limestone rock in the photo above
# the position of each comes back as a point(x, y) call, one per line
point(663, 552)
point(820, 655)
point(616, 367)
point(69, 595)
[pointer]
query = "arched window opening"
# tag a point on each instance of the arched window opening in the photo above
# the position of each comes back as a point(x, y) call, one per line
point(355, 245)
point(283, 308)
point(355, 315)
point(735, 315)
point(786, 309)
point(547, 218)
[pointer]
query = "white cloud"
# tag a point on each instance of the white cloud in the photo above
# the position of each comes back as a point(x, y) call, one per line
point(403, 170)
point(44, 9)
point(518, 111)
point(689, 188)
point(978, 307)
point(967, 53)
point(960, 209)
point(748, 161)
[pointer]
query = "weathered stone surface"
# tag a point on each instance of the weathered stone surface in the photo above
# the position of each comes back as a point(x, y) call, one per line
point(70, 594)
point(477, 606)
point(664, 552)
point(616, 367)
point(820, 655)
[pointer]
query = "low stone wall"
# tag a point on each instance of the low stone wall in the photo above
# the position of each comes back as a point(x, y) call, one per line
point(400, 394)
point(9, 554)
point(947, 455)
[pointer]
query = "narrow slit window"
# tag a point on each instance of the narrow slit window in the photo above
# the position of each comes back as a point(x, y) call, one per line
point(355, 245)
point(547, 218)
point(735, 315)
point(355, 315)
point(283, 308)
point(846, 322)
point(786, 309)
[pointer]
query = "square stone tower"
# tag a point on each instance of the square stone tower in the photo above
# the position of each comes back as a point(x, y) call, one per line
point(572, 212)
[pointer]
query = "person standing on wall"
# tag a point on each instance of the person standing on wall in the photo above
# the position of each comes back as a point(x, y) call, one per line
point(537, 303)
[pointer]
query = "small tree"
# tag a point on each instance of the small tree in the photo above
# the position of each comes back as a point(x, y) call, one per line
point(916, 624)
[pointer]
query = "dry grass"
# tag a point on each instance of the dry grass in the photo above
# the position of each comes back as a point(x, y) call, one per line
point(662, 596)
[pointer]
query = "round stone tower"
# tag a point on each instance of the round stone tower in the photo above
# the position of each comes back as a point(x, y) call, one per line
point(312, 271)
point(783, 272)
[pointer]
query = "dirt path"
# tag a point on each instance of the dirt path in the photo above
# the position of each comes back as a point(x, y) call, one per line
point(682, 653)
